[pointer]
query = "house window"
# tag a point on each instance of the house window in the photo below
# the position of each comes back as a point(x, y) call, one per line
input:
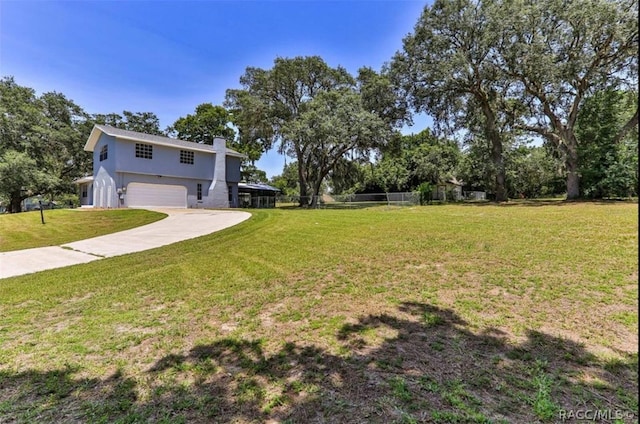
point(84, 191)
point(186, 157)
point(144, 151)
point(199, 191)
point(103, 153)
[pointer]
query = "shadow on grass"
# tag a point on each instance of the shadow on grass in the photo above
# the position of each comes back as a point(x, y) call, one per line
point(421, 364)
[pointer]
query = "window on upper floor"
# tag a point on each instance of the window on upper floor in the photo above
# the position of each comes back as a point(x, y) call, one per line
point(144, 151)
point(186, 157)
point(103, 153)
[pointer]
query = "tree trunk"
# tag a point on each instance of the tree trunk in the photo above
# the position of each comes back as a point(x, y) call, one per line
point(498, 163)
point(573, 186)
point(571, 162)
point(316, 193)
point(304, 201)
point(492, 133)
point(302, 180)
point(573, 178)
point(15, 205)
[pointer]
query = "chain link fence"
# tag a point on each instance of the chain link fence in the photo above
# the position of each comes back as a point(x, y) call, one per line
point(350, 201)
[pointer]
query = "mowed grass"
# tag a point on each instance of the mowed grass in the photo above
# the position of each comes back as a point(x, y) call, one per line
point(25, 230)
point(441, 314)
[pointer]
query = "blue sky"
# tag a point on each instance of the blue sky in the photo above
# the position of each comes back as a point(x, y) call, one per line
point(168, 57)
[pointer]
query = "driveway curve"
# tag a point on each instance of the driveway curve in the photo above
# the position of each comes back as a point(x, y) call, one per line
point(179, 225)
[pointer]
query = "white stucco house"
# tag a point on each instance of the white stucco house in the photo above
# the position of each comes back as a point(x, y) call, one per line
point(132, 169)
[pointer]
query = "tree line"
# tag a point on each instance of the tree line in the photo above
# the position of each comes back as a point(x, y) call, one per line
point(528, 98)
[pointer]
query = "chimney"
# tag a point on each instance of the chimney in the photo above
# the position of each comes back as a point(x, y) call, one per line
point(218, 192)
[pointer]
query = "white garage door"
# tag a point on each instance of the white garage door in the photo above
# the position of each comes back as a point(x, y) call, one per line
point(156, 195)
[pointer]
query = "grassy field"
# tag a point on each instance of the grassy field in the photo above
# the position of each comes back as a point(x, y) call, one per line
point(440, 314)
point(25, 230)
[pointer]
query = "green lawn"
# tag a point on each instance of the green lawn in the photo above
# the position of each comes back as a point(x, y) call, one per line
point(442, 314)
point(25, 230)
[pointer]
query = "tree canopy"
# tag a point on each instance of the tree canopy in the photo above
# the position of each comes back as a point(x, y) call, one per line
point(310, 111)
point(412, 160)
point(519, 65)
point(558, 55)
point(446, 70)
point(493, 74)
point(208, 122)
point(608, 162)
point(42, 141)
point(143, 122)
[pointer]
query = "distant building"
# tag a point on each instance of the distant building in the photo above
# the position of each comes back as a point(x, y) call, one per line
point(450, 190)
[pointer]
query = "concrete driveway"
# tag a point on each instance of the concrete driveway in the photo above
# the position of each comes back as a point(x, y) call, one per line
point(180, 224)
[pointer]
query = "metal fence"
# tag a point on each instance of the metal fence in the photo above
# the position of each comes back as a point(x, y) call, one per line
point(475, 195)
point(351, 201)
point(346, 201)
point(245, 200)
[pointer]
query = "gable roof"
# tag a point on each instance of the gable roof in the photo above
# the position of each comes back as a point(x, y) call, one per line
point(151, 139)
point(83, 180)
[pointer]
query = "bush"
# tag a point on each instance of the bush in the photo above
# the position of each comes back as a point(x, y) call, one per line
point(426, 193)
point(67, 200)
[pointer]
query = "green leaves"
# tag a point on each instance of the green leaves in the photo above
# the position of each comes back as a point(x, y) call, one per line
point(41, 142)
point(144, 122)
point(21, 177)
point(608, 163)
point(313, 113)
point(416, 159)
point(497, 68)
point(211, 121)
point(208, 122)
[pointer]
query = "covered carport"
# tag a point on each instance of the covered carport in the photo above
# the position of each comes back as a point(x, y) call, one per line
point(257, 195)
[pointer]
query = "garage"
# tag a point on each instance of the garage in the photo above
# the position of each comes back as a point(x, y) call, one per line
point(156, 195)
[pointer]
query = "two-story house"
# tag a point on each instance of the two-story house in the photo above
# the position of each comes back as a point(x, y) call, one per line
point(132, 169)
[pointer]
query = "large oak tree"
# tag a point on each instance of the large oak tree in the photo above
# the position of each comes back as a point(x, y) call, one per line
point(290, 105)
point(446, 70)
point(333, 125)
point(559, 53)
point(521, 65)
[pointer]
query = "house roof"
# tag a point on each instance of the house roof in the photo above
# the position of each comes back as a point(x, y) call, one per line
point(452, 181)
point(151, 139)
point(87, 179)
point(257, 186)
